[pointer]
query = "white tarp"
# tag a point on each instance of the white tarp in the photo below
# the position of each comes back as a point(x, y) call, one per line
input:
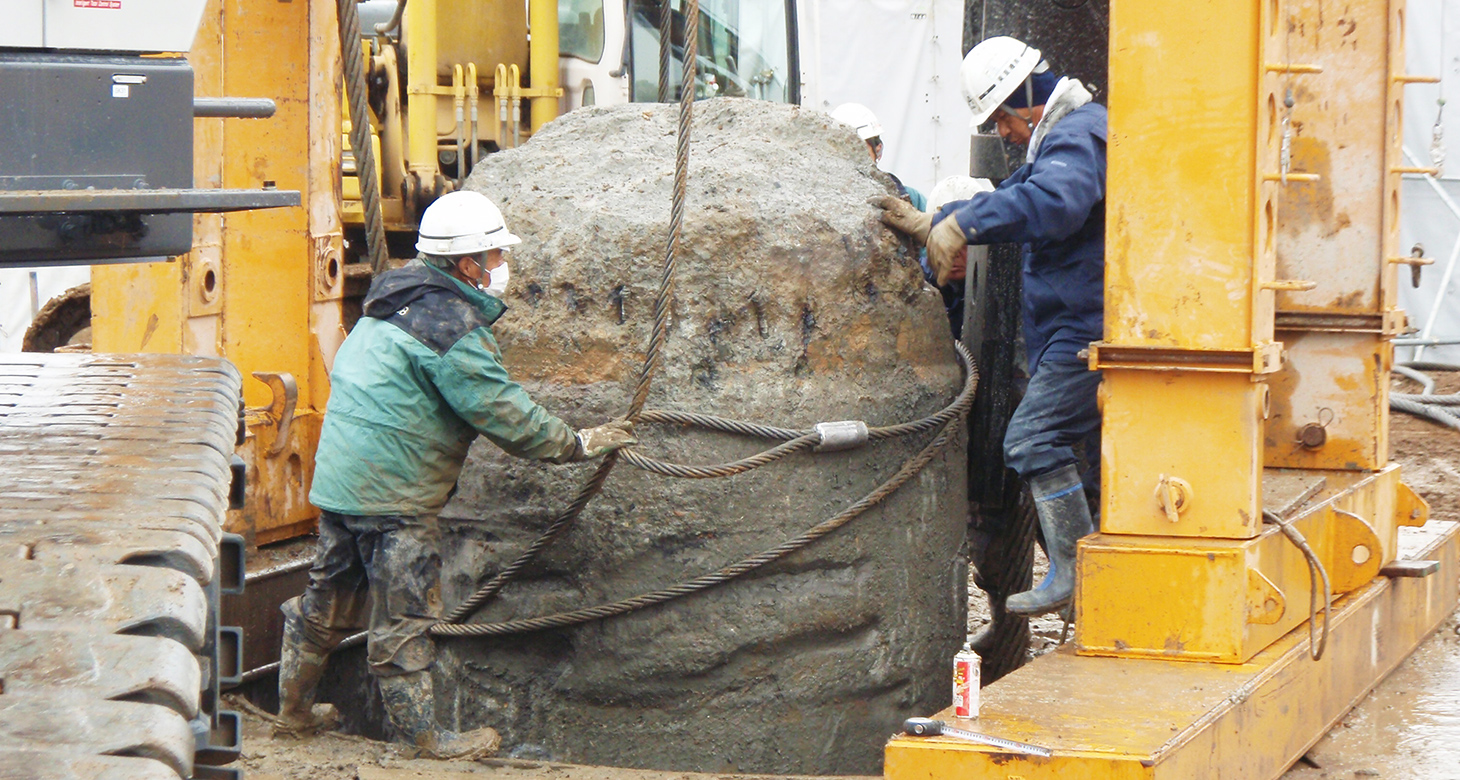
point(1433, 49)
point(899, 58)
point(15, 297)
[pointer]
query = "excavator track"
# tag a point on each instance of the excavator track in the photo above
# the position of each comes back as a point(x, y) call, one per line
point(118, 472)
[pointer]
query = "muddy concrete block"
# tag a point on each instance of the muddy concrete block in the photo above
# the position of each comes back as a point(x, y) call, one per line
point(792, 306)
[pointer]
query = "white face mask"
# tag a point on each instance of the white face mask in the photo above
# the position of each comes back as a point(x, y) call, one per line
point(500, 276)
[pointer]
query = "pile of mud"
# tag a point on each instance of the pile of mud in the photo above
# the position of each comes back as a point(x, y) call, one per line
point(793, 306)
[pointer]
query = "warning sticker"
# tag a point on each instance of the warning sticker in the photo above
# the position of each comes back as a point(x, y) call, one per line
point(112, 4)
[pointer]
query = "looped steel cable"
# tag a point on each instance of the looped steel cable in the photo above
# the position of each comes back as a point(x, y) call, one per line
point(798, 444)
point(360, 144)
point(711, 422)
point(455, 625)
point(799, 440)
point(652, 357)
point(704, 582)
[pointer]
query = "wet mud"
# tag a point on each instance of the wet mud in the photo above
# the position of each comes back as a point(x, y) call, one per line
point(1409, 726)
point(1407, 729)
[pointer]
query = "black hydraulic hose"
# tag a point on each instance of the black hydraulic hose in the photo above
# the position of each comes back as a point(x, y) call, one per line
point(1316, 642)
point(385, 28)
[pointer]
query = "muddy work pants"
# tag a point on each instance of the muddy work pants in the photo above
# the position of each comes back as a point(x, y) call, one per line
point(397, 561)
point(1059, 412)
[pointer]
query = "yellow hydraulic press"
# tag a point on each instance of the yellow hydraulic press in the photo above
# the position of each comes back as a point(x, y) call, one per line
point(1252, 218)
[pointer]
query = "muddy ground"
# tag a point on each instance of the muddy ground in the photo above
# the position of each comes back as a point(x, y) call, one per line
point(1409, 727)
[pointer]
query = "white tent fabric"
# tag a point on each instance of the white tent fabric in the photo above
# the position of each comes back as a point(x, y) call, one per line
point(15, 297)
point(1433, 49)
point(899, 58)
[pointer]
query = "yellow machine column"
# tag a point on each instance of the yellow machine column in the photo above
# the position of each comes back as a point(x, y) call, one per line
point(262, 289)
point(1252, 203)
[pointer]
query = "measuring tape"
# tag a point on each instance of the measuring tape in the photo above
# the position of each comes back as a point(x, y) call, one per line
point(927, 727)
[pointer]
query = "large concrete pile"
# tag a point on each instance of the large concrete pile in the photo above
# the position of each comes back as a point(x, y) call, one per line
point(793, 306)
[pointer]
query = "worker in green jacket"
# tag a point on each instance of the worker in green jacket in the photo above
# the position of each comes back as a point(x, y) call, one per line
point(415, 382)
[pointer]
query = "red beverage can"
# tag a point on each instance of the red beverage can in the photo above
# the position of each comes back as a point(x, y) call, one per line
point(965, 683)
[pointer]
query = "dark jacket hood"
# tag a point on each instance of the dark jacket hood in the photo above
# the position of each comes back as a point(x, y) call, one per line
point(395, 290)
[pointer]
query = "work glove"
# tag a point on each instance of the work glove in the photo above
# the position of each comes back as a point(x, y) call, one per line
point(597, 442)
point(946, 243)
point(903, 217)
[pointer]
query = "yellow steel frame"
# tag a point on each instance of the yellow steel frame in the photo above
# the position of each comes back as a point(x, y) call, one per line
point(260, 288)
point(1123, 718)
point(1250, 270)
point(1226, 599)
point(264, 289)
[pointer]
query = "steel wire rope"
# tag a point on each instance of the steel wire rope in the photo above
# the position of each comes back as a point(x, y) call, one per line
point(1425, 411)
point(800, 440)
point(652, 357)
point(360, 145)
point(1426, 404)
point(1429, 365)
point(454, 624)
point(1316, 642)
point(574, 617)
point(1452, 399)
point(952, 414)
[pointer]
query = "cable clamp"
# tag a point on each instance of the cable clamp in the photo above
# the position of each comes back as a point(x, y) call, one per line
point(841, 435)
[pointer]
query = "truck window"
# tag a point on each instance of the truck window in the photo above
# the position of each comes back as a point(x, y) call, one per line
point(745, 50)
point(580, 29)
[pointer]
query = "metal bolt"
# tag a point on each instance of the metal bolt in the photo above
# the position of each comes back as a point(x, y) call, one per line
point(1312, 436)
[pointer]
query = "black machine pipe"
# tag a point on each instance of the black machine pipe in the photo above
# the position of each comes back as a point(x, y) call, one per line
point(233, 108)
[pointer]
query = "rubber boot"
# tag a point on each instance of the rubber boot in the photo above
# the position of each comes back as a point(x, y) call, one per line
point(410, 705)
point(301, 664)
point(1064, 515)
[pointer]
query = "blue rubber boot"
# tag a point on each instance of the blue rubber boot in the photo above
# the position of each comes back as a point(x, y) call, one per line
point(1059, 498)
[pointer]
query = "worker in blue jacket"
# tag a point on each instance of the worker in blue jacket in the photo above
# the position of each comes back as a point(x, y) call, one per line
point(1055, 206)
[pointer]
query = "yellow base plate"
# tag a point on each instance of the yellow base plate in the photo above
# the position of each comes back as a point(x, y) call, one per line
point(1150, 718)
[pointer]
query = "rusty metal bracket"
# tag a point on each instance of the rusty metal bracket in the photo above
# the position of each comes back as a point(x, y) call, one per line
point(1265, 602)
point(1409, 569)
point(1354, 553)
point(1409, 508)
point(281, 409)
point(1264, 358)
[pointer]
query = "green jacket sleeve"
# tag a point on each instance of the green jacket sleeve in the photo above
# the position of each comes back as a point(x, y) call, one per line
point(473, 382)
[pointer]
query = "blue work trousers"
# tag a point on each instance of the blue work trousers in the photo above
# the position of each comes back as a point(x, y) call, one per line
point(1058, 412)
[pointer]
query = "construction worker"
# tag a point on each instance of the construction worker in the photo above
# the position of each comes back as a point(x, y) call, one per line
point(861, 119)
point(415, 382)
point(946, 191)
point(1055, 206)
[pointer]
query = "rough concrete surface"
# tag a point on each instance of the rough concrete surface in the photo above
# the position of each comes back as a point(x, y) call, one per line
point(793, 305)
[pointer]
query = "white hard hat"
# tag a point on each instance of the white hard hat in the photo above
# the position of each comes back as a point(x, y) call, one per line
point(991, 72)
point(463, 223)
point(956, 188)
point(859, 117)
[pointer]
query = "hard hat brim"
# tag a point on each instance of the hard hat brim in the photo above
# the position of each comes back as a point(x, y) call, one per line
point(462, 246)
